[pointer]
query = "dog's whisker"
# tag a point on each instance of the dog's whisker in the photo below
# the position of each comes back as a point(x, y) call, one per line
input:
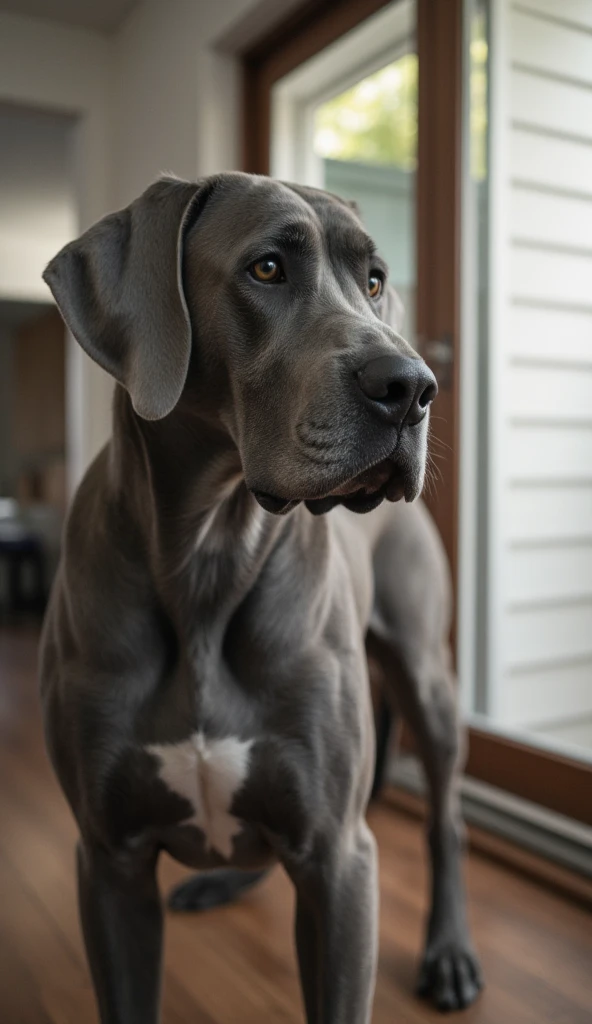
point(437, 441)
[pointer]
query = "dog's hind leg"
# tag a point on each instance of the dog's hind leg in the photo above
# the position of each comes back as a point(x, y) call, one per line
point(210, 889)
point(386, 718)
point(121, 916)
point(383, 720)
point(410, 628)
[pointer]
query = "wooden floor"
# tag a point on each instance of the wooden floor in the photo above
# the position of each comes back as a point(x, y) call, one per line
point(236, 966)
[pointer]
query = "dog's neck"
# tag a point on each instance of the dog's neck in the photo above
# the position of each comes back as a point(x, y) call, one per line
point(206, 535)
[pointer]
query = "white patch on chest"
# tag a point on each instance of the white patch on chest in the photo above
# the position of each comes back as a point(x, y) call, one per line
point(207, 773)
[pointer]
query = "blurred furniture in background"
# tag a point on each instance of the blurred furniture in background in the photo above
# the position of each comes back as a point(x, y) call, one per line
point(22, 554)
point(29, 549)
point(22, 560)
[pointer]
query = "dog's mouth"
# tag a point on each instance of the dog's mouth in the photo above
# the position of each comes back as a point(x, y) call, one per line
point(362, 493)
point(367, 490)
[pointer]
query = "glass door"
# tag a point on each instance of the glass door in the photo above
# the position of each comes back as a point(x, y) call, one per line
point(452, 123)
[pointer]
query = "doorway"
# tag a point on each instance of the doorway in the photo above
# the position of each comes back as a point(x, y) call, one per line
point(38, 217)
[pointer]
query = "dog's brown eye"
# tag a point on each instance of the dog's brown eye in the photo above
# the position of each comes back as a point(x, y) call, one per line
point(374, 286)
point(268, 271)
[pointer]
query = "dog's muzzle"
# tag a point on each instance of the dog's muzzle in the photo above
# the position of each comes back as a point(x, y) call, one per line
point(398, 390)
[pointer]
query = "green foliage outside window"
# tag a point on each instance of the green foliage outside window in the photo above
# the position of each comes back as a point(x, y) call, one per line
point(479, 52)
point(374, 122)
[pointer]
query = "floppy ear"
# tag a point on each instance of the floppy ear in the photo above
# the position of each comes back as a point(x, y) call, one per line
point(393, 312)
point(119, 289)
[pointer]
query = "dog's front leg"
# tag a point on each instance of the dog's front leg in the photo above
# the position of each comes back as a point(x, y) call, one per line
point(337, 927)
point(121, 916)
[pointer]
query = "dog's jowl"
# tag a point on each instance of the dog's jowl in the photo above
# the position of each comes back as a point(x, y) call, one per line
point(203, 667)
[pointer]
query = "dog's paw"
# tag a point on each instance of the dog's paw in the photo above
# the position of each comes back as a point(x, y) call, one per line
point(450, 978)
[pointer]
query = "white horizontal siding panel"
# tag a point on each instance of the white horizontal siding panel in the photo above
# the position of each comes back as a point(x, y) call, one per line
point(550, 47)
point(548, 574)
point(535, 514)
point(551, 162)
point(549, 392)
point(551, 277)
point(542, 669)
point(551, 105)
point(549, 453)
point(550, 334)
point(548, 634)
point(576, 12)
point(551, 219)
point(547, 695)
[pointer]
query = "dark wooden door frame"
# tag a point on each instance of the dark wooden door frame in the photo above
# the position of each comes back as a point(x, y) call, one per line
point(312, 27)
point(439, 161)
point(559, 783)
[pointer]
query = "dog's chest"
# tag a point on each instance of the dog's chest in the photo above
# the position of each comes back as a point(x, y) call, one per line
point(208, 773)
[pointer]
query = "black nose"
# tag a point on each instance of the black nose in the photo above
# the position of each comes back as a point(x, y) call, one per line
point(398, 388)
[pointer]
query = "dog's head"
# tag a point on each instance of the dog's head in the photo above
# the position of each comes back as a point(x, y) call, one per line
point(263, 307)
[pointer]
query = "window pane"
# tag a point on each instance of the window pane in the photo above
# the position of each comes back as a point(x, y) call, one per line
point(366, 140)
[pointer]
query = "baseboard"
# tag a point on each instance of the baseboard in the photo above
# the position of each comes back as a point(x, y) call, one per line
point(540, 843)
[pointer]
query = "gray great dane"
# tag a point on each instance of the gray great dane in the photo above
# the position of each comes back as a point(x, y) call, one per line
point(203, 669)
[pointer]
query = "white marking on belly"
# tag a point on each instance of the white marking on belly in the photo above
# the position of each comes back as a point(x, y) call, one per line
point(207, 773)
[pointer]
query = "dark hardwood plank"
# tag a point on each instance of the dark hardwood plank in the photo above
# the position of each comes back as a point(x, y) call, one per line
point(237, 964)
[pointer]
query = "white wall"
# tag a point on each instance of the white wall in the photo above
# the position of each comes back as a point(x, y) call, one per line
point(37, 207)
point(56, 68)
point(541, 512)
point(175, 94)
